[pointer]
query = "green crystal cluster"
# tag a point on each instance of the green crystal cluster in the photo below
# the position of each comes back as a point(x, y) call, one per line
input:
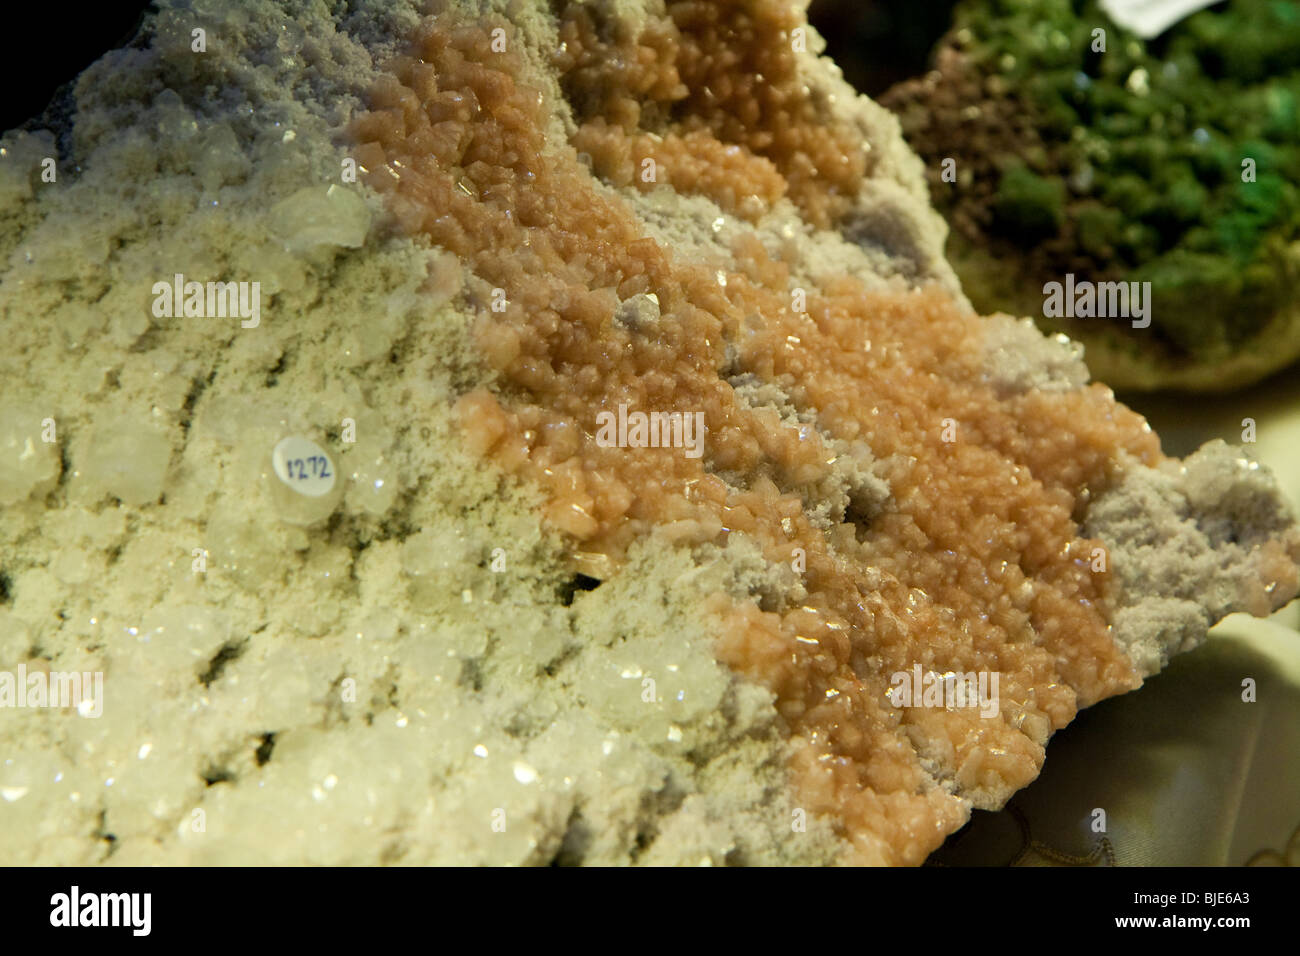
point(1142, 151)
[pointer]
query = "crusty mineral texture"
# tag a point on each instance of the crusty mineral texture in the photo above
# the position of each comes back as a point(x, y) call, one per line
point(523, 624)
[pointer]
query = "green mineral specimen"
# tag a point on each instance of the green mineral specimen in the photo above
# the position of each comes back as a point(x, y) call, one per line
point(1173, 160)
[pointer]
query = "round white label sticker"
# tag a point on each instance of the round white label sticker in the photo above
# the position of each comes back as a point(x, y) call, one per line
point(304, 466)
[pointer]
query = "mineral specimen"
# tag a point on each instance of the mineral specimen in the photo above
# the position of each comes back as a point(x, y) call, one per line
point(1075, 146)
point(510, 641)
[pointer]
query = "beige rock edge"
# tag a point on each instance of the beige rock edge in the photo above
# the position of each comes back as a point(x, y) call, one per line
point(229, 731)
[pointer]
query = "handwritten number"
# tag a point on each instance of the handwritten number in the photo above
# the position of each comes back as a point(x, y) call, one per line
point(313, 466)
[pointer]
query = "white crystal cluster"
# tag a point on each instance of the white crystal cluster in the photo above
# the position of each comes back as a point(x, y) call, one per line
point(29, 465)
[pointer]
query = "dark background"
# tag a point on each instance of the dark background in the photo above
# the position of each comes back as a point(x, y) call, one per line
point(877, 43)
